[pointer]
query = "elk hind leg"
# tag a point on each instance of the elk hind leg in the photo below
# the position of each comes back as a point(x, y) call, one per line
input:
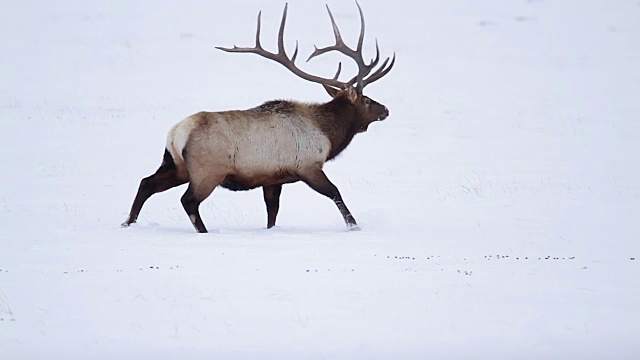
point(272, 200)
point(165, 178)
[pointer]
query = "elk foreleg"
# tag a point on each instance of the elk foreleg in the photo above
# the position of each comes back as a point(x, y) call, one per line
point(191, 205)
point(197, 192)
point(272, 200)
point(319, 182)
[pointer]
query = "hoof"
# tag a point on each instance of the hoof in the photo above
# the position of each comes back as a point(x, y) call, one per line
point(353, 227)
point(126, 224)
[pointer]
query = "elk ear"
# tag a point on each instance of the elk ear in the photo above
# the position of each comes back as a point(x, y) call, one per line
point(333, 92)
point(352, 94)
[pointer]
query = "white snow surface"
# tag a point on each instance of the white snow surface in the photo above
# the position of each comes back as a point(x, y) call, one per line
point(499, 202)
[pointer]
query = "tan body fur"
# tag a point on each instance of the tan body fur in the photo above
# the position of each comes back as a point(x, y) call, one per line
point(245, 149)
point(276, 143)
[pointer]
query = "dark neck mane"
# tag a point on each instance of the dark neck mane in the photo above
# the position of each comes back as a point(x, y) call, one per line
point(338, 119)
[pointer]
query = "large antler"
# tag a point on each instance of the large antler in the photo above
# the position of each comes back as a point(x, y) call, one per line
point(282, 58)
point(356, 55)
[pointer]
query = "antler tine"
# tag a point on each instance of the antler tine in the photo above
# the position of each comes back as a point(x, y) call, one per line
point(255, 49)
point(281, 31)
point(339, 45)
point(335, 77)
point(361, 38)
point(382, 71)
point(258, 31)
point(295, 53)
point(374, 62)
point(336, 31)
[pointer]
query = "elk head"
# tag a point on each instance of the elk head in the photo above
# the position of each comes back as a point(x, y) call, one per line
point(366, 109)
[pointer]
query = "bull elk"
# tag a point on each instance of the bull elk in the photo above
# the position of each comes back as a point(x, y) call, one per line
point(276, 143)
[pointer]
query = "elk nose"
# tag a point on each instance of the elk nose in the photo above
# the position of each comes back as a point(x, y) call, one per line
point(384, 114)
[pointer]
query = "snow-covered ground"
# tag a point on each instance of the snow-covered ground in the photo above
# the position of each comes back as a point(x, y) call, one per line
point(499, 203)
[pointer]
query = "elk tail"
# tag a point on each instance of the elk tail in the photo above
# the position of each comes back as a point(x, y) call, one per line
point(176, 143)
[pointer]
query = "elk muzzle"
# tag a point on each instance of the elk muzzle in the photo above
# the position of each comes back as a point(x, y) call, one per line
point(384, 115)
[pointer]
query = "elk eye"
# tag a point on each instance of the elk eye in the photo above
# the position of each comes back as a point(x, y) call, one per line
point(367, 101)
